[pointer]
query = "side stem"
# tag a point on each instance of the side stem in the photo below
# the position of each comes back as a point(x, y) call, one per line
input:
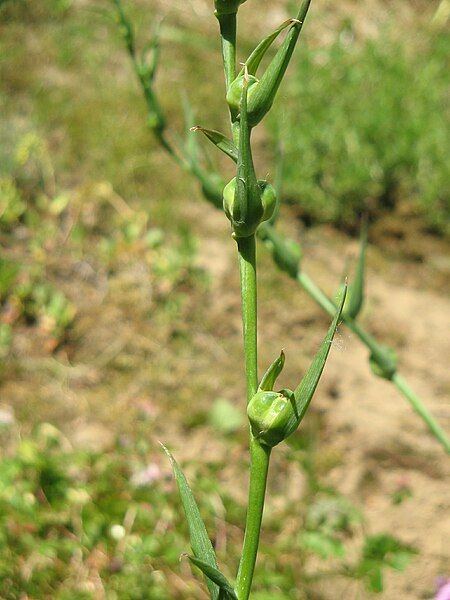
point(420, 409)
point(371, 343)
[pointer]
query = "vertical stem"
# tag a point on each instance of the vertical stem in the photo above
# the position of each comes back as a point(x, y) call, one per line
point(421, 410)
point(259, 455)
point(259, 465)
point(227, 25)
point(247, 266)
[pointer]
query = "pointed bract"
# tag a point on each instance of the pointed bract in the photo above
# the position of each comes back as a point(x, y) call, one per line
point(220, 141)
point(271, 375)
point(355, 296)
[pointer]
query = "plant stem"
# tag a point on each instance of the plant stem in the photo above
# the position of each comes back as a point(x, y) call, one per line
point(420, 409)
point(259, 455)
point(227, 24)
point(371, 343)
point(247, 266)
point(259, 466)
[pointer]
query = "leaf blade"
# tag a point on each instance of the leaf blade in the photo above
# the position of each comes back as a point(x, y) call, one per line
point(216, 576)
point(200, 542)
point(306, 388)
point(220, 141)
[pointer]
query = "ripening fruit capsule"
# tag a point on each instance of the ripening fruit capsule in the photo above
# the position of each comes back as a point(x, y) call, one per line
point(248, 226)
point(234, 93)
point(272, 416)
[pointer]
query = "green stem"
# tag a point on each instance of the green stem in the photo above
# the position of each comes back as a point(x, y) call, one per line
point(371, 343)
point(247, 266)
point(259, 466)
point(227, 24)
point(259, 455)
point(420, 409)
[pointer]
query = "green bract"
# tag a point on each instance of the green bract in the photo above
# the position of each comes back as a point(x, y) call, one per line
point(263, 207)
point(273, 416)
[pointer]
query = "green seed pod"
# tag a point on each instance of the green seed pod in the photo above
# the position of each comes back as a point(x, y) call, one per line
point(227, 7)
point(286, 253)
point(234, 93)
point(273, 416)
point(383, 362)
point(267, 202)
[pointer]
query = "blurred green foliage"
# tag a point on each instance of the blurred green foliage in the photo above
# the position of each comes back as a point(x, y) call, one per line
point(366, 126)
point(74, 522)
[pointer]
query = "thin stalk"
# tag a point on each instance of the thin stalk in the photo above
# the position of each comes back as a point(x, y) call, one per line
point(227, 24)
point(371, 343)
point(259, 466)
point(259, 455)
point(247, 267)
point(417, 405)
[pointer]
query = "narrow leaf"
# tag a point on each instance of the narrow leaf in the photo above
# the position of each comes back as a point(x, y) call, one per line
point(216, 576)
point(305, 390)
point(270, 376)
point(265, 91)
point(356, 289)
point(200, 542)
point(220, 141)
point(253, 61)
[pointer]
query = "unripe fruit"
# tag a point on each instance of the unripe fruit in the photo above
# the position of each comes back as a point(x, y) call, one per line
point(234, 93)
point(272, 416)
point(268, 203)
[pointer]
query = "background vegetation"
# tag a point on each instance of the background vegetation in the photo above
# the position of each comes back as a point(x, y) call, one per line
point(118, 298)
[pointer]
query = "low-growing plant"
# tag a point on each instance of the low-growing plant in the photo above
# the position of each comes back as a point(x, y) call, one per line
point(250, 204)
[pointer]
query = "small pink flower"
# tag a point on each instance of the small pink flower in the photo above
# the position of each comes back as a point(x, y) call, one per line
point(443, 592)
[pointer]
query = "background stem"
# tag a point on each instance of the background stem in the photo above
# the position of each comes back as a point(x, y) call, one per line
point(420, 409)
point(259, 466)
point(371, 343)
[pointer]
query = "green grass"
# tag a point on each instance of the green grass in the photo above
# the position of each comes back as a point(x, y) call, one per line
point(366, 128)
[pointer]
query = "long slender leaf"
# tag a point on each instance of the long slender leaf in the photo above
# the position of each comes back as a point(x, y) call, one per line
point(216, 576)
point(305, 390)
point(200, 542)
point(257, 55)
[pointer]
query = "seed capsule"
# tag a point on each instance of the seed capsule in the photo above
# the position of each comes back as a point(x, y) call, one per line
point(234, 93)
point(263, 209)
point(273, 416)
